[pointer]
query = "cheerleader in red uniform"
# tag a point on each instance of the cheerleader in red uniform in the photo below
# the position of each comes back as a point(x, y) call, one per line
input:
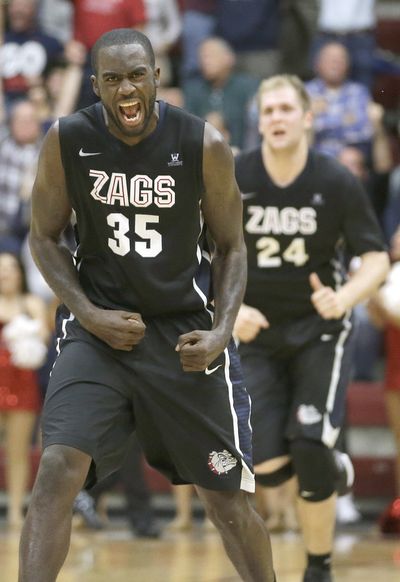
point(23, 333)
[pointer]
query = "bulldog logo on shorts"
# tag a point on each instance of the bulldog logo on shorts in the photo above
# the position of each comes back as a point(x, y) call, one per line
point(221, 462)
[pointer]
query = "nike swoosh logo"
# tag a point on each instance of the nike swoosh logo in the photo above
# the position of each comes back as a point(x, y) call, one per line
point(84, 154)
point(208, 372)
point(306, 493)
point(248, 195)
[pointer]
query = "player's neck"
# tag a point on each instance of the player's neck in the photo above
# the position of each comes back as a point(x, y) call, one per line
point(283, 166)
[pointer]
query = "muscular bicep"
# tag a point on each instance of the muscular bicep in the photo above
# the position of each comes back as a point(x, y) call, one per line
point(221, 202)
point(51, 208)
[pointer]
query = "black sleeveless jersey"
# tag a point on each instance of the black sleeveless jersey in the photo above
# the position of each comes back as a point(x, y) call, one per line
point(140, 232)
point(292, 231)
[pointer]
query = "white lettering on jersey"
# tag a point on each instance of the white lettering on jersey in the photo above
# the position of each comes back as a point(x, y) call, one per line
point(164, 195)
point(142, 190)
point(289, 220)
point(253, 226)
point(118, 190)
point(101, 179)
point(271, 222)
point(308, 222)
point(141, 193)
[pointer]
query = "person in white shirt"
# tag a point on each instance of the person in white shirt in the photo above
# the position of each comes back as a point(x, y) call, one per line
point(351, 22)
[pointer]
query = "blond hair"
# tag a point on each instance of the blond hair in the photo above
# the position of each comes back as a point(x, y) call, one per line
point(278, 81)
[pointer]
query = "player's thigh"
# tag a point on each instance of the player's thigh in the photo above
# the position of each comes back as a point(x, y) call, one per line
point(320, 373)
point(87, 406)
point(266, 380)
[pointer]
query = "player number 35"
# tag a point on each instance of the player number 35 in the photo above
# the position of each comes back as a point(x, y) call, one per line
point(269, 249)
point(120, 244)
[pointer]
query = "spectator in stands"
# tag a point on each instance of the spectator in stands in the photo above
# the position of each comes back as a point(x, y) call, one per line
point(352, 23)
point(375, 178)
point(23, 334)
point(374, 175)
point(253, 30)
point(163, 28)
point(221, 88)
point(90, 21)
point(56, 95)
point(199, 22)
point(55, 17)
point(299, 24)
point(26, 52)
point(340, 106)
point(19, 152)
point(217, 119)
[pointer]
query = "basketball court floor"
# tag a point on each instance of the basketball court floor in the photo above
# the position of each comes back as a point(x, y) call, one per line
point(113, 555)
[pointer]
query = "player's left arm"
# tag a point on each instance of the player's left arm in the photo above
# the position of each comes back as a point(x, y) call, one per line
point(332, 304)
point(223, 214)
point(222, 210)
point(364, 239)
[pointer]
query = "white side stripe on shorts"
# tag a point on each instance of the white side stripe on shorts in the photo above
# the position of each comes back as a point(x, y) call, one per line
point(247, 482)
point(329, 433)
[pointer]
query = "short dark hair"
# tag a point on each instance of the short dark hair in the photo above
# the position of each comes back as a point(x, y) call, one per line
point(118, 37)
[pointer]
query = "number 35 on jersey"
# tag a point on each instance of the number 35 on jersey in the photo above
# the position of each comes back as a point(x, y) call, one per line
point(142, 192)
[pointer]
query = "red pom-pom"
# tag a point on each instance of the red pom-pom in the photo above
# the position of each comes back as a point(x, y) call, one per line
point(389, 521)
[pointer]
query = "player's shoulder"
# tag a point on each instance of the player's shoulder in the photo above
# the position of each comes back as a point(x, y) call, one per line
point(246, 158)
point(79, 118)
point(179, 114)
point(182, 126)
point(329, 168)
point(247, 169)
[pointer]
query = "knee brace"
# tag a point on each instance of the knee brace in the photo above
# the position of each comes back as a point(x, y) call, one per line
point(315, 468)
point(277, 477)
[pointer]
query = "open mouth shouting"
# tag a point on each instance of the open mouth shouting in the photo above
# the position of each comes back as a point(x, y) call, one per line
point(278, 132)
point(130, 112)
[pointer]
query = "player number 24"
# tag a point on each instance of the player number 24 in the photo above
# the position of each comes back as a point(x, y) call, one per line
point(269, 248)
point(150, 246)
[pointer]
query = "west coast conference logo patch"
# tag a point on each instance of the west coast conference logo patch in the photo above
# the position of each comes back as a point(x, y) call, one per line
point(317, 199)
point(175, 161)
point(221, 462)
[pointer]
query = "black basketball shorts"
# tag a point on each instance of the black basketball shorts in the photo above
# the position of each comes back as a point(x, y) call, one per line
point(193, 426)
point(297, 375)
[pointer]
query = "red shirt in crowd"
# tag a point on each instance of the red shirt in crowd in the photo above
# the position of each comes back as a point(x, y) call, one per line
point(92, 18)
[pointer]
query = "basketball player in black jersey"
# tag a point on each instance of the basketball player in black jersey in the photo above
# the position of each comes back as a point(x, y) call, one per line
point(300, 210)
point(140, 347)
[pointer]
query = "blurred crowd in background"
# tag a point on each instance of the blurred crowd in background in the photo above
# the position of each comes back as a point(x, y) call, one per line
point(212, 55)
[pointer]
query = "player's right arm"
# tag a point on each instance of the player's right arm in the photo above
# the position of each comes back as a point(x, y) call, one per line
point(51, 213)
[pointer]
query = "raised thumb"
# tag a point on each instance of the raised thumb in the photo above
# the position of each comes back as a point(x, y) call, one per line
point(315, 282)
